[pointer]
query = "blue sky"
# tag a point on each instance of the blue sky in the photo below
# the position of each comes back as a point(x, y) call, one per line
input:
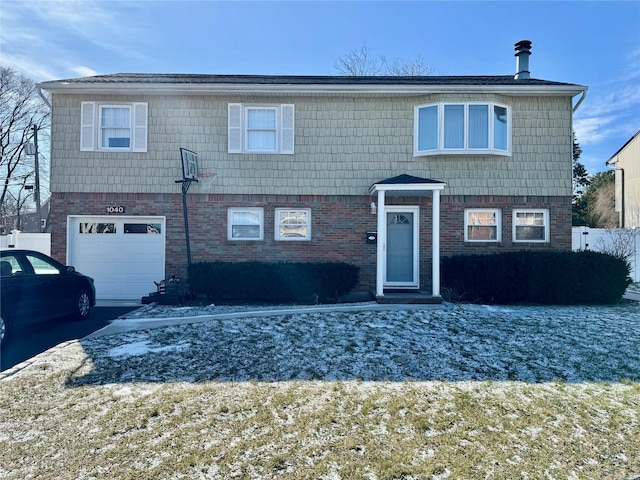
point(592, 43)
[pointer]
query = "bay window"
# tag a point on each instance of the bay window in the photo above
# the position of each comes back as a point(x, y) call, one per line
point(462, 128)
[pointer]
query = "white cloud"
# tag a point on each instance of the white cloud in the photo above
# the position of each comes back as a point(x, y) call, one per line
point(633, 66)
point(611, 111)
point(47, 39)
point(94, 21)
point(84, 71)
point(612, 98)
point(594, 129)
point(28, 66)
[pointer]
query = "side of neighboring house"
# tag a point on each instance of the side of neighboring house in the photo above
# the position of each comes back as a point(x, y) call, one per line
point(307, 169)
point(626, 162)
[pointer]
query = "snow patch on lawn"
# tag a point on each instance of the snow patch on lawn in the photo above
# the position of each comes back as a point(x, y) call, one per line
point(142, 347)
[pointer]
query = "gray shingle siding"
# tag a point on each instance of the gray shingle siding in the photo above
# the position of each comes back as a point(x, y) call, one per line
point(342, 146)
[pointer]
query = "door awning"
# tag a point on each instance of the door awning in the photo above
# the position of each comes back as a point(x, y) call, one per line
point(407, 186)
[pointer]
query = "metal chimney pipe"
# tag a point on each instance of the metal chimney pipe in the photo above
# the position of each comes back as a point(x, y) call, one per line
point(523, 51)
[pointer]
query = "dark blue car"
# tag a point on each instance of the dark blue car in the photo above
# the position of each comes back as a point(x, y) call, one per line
point(35, 288)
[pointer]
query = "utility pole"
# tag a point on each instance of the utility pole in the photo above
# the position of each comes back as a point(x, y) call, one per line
point(37, 167)
point(36, 193)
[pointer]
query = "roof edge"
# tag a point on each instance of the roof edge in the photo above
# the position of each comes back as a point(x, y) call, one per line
point(218, 84)
point(610, 161)
point(164, 88)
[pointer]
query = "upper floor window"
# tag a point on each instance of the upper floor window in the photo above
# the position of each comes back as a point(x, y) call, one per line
point(462, 128)
point(482, 225)
point(261, 128)
point(113, 127)
point(531, 225)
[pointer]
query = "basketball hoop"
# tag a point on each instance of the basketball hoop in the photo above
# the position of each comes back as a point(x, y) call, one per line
point(189, 162)
point(206, 178)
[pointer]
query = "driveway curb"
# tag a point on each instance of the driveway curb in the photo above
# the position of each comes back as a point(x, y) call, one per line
point(27, 363)
point(131, 325)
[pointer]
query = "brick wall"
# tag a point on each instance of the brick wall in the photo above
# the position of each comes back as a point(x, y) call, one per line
point(339, 226)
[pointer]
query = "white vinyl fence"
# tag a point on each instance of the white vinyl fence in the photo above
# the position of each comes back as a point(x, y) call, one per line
point(40, 242)
point(625, 242)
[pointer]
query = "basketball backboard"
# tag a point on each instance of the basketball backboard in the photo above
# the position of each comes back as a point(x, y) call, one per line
point(189, 164)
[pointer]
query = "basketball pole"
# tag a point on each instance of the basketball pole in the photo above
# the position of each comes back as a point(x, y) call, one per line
point(189, 161)
point(186, 183)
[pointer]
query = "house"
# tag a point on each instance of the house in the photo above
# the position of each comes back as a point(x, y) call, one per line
point(387, 173)
point(27, 222)
point(626, 162)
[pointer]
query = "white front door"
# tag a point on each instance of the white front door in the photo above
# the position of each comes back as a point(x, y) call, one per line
point(402, 252)
point(124, 255)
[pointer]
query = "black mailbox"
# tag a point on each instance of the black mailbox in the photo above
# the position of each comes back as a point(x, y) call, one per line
point(372, 237)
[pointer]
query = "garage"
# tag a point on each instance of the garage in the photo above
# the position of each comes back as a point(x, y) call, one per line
point(124, 255)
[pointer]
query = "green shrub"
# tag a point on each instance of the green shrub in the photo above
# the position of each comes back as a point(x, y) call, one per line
point(273, 282)
point(552, 278)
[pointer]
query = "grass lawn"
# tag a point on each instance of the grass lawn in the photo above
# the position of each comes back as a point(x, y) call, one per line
point(206, 401)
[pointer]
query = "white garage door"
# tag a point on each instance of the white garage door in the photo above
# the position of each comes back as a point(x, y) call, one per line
point(124, 255)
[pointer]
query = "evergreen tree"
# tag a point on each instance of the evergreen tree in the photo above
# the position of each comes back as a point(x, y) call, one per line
point(581, 181)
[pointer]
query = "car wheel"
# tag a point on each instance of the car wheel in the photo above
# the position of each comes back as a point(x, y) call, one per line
point(4, 331)
point(83, 305)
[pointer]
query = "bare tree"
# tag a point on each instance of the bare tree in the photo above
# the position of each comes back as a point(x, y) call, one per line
point(20, 109)
point(621, 243)
point(13, 208)
point(359, 63)
point(362, 62)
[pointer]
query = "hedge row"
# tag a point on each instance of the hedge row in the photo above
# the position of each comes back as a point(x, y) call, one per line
point(273, 282)
point(552, 278)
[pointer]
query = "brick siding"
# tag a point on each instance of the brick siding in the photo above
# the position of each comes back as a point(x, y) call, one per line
point(339, 226)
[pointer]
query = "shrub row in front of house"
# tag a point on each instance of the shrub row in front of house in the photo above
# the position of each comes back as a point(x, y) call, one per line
point(552, 278)
point(273, 282)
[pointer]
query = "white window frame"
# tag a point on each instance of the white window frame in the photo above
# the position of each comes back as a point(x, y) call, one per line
point(101, 127)
point(91, 126)
point(545, 225)
point(238, 138)
point(278, 223)
point(274, 130)
point(497, 226)
point(441, 150)
point(230, 223)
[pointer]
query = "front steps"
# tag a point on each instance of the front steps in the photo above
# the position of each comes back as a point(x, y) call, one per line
point(407, 297)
